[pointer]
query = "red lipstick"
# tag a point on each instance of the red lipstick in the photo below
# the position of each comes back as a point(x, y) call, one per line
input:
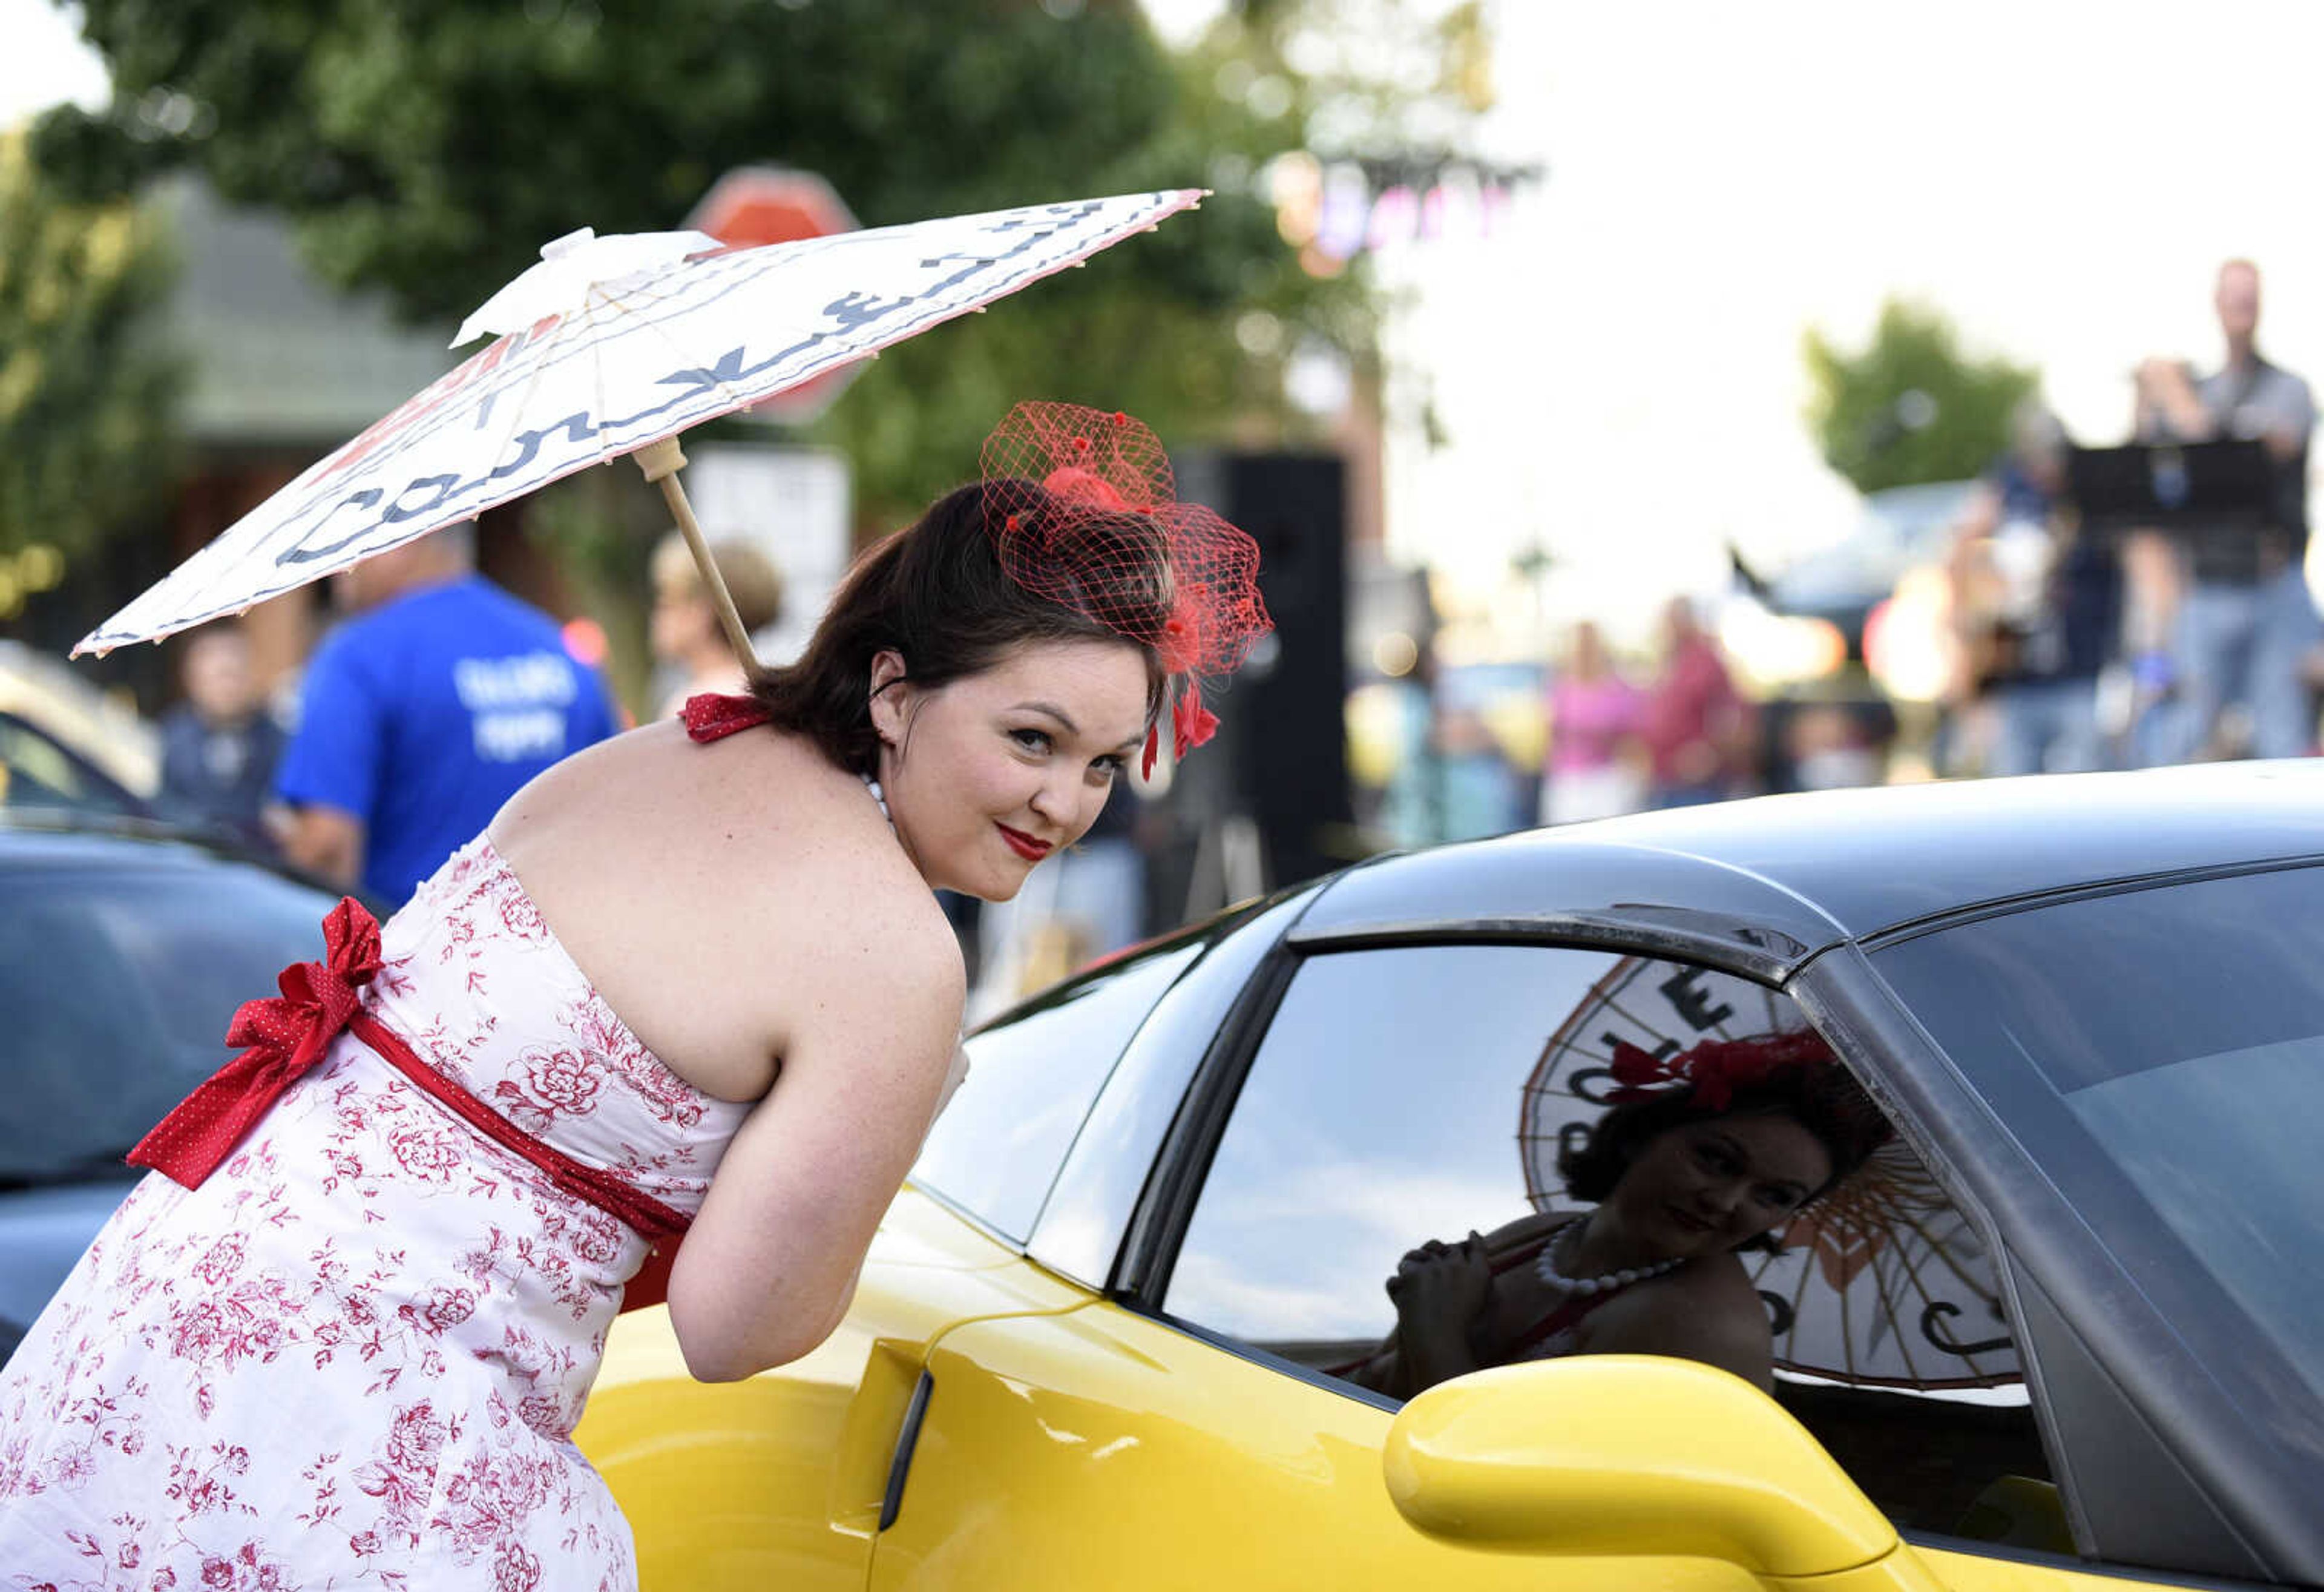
point(1024, 845)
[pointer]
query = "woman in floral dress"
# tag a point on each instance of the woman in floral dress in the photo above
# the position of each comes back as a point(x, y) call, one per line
point(340, 1337)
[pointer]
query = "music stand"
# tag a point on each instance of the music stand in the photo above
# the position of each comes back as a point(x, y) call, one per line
point(2219, 498)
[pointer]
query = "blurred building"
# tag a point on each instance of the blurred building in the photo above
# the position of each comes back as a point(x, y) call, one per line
point(281, 369)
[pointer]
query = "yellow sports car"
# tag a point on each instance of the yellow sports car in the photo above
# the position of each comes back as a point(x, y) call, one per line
point(1127, 1326)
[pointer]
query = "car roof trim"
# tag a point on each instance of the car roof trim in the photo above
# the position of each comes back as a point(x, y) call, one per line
point(2003, 906)
point(1762, 954)
point(1701, 906)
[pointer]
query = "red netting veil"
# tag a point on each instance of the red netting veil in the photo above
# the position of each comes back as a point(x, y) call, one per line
point(1084, 512)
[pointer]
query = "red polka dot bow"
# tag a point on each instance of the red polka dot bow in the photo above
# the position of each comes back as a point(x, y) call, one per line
point(286, 1035)
point(710, 716)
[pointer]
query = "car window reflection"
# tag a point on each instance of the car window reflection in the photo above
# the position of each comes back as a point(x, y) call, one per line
point(1450, 1157)
point(1698, 1156)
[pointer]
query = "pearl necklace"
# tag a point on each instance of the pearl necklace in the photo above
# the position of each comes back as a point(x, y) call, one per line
point(879, 796)
point(1567, 1237)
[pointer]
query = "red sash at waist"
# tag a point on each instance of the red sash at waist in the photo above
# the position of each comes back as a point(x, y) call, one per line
point(289, 1033)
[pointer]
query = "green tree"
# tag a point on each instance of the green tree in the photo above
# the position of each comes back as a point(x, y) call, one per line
point(428, 147)
point(86, 389)
point(1911, 407)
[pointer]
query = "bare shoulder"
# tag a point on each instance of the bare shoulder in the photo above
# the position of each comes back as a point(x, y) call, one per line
point(1706, 1310)
point(724, 898)
point(1715, 1289)
point(724, 827)
point(879, 925)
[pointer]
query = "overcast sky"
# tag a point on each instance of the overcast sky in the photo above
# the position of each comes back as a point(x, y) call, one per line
point(1619, 365)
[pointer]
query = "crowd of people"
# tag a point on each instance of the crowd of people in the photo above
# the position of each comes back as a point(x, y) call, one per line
point(1616, 740)
point(2088, 640)
point(433, 696)
point(2078, 635)
point(2076, 644)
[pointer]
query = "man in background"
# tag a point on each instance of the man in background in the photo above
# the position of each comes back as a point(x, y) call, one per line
point(2245, 617)
point(218, 747)
point(424, 712)
point(2043, 599)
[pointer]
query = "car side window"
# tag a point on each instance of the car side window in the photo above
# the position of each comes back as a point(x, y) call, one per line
point(1032, 1077)
point(36, 772)
point(1419, 1124)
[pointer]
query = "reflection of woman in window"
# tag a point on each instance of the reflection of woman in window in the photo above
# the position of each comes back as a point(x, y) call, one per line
point(1701, 1154)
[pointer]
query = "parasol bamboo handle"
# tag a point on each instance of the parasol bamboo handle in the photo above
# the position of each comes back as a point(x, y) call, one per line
point(660, 462)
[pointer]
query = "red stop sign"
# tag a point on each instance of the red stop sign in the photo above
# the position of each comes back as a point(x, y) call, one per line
point(753, 206)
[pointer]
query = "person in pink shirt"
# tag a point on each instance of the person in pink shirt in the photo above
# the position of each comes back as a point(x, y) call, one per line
point(1697, 725)
point(1594, 718)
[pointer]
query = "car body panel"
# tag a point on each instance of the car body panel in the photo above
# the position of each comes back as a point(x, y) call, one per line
point(1103, 1449)
point(1577, 882)
point(777, 1480)
point(1073, 1440)
point(1978, 1572)
point(42, 1234)
point(1067, 1442)
point(95, 1053)
point(1827, 865)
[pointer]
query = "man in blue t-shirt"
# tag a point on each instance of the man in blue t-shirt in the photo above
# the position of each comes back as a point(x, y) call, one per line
point(424, 713)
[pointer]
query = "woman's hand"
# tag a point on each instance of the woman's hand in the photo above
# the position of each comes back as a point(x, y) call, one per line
point(1441, 1281)
point(1441, 1291)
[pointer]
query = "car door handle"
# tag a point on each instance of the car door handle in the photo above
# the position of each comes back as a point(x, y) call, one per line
point(907, 1438)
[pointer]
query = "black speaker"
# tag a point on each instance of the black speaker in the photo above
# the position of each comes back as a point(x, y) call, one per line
point(1282, 741)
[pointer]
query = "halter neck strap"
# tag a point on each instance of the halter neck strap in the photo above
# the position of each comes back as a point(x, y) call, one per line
point(711, 717)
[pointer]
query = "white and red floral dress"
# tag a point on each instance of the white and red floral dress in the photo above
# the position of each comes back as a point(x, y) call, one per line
point(352, 1358)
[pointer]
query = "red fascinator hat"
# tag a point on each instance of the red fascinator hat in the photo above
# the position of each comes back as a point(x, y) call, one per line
point(1084, 510)
point(1712, 1072)
point(1796, 1069)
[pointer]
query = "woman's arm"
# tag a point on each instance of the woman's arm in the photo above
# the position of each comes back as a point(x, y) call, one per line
point(768, 1268)
point(952, 1080)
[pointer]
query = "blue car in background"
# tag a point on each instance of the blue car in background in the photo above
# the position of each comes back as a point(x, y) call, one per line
point(124, 952)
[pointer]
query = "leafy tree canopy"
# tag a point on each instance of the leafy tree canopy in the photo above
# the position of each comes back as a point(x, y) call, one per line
point(86, 390)
point(428, 147)
point(1911, 407)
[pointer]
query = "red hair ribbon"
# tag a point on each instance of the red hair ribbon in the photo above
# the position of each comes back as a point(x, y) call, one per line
point(1716, 1069)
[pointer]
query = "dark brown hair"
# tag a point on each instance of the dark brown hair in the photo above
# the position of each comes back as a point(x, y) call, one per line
point(941, 593)
point(1822, 1096)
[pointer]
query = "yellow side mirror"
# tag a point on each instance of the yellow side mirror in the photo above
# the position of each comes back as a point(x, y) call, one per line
point(1616, 1454)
